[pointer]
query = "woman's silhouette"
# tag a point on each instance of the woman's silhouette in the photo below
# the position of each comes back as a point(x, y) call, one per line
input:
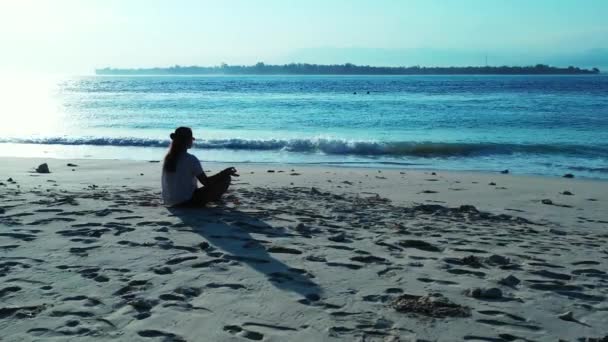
point(181, 170)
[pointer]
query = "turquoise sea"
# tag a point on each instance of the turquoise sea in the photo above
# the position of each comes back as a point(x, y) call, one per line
point(547, 125)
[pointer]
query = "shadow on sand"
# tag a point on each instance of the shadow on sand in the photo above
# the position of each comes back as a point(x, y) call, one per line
point(228, 231)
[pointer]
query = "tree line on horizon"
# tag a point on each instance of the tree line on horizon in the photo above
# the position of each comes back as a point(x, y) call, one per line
point(346, 69)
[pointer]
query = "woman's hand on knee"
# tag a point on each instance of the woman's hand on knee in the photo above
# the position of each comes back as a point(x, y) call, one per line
point(231, 171)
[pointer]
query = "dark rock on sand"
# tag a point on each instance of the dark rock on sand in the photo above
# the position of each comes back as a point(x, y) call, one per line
point(496, 259)
point(419, 244)
point(43, 168)
point(567, 316)
point(510, 281)
point(162, 270)
point(568, 175)
point(490, 293)
point(547, 201)
point(432, 305)
point(468, 209)
point(557, 232)
point(340, 237)
point(504, 172)
point(72, 165)
point(567, 193)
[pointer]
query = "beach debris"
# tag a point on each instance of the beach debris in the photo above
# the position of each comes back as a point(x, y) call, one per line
point(433, 174)
point(71, 165)
point(568, 175)
point(491, 183)
point(504, 172)
point(483, 293)
point(547, 201)
point(510, 281)
point(567, 193)
point(432, 305)
point(270, 171)
point(419, 244)
point(43, 168)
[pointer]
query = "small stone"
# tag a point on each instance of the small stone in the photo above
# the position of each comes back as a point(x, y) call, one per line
point(302, 228)
point(566, 316)
point(315, 191)
point(10, 180)
point(509, 280)
point(468, 208)
point(101, 278)
point(270, 171)
point(162, 270)
point(491, 183)
point(557, 231)
point(491, 293)
point(71, 165)
point(504, 172)
point(43, 168)
point(567, 193)
point(316, 258)
point(568, 175)
point(433, 174)
point(340, 237)
point(498, 259)
point(547, 201)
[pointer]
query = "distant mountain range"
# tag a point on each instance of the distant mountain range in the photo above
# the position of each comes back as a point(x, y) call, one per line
point(346, 69)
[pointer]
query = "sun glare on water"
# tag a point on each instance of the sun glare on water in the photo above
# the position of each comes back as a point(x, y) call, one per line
point(30, 107)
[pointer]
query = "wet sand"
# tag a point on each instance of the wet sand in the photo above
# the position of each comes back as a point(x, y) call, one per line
point(300, 253)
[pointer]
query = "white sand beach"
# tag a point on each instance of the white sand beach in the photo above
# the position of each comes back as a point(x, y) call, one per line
point(302, 253)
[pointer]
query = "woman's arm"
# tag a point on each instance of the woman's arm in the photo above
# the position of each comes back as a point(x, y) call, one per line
point(203, 178)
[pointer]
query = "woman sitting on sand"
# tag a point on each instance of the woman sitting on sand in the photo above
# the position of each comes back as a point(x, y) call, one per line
point(181, 171)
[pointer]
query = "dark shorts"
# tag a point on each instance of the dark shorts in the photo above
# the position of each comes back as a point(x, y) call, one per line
point(213, 191)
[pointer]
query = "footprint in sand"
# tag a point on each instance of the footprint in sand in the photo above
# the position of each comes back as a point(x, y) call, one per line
point(248, 334)
point(167, 336)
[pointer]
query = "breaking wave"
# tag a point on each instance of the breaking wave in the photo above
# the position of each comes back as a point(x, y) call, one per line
point(337, 146)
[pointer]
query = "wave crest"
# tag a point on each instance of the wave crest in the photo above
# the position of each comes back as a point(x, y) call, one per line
point(336, 146)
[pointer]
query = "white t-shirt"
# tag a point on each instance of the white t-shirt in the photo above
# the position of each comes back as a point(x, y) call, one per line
point(179, 186)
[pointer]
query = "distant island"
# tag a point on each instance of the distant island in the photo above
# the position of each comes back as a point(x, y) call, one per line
point(347, 69)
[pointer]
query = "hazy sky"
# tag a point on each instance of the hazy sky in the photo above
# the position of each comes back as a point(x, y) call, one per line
point(76, 36)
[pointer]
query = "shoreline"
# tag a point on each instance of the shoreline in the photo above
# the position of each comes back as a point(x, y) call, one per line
point(300, 254)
